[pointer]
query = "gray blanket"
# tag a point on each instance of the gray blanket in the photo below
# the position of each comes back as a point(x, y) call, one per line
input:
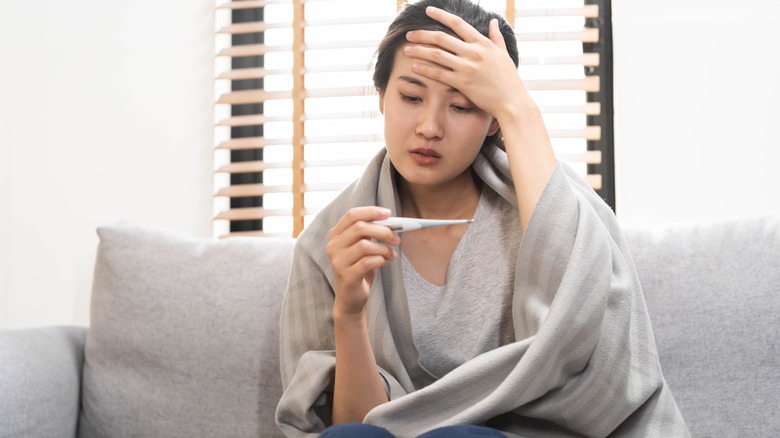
point(584, 361)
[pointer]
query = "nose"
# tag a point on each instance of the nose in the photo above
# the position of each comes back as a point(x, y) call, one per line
point(430, 123)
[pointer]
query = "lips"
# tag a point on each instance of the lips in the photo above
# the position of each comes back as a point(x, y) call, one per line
point(427, 152)
point(425, 157)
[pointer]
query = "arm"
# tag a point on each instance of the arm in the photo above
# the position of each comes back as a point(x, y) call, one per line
point(482, 70)
point(40, 380)
point(530, 154)
point(358, 387)
point(355, 251)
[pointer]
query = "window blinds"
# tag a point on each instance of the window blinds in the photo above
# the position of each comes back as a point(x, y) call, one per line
point(311, 123)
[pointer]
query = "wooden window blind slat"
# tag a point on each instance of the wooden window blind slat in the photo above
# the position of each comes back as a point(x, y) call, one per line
point(252, 50)
point(319, 110)
point(250, 4)
point(252, 120)
point(588, 133)
point(340, 45)
point(590, 84)
point(334, 163)
point(253, 234)
point(594, 180)
point(336, 92)
point(590, 157)
point(242, 190)
point(252, 27)
point(252, 73)
point(585, 36)
point(337, 68)
point(587, 11)
point(252, 143)
point(586, 59)
point(344, 139)
point(252, 96)
point(344, 115)
point(590, 108)
point(252, 166)
point(347, 21)
point(251, 213)
point(325, 187)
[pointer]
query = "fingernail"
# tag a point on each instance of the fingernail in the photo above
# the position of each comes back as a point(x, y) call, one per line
point(407, 49)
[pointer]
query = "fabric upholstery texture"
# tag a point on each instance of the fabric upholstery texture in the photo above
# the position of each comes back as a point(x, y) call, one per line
point(583, 358)
point(178, 349)
point(40, 378)
point(184, 335)
point(712, 291)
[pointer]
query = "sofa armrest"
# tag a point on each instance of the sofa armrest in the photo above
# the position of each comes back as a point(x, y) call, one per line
point(40, 381)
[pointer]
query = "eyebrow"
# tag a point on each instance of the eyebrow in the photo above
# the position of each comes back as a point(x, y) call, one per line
point(420, 83)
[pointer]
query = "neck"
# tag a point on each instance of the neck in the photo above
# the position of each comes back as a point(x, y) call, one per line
point(457, 199)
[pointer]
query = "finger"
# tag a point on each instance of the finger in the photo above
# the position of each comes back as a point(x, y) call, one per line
point(495, 35)
point(362, 227)
point(437, 73)
point(356, 214)
point(365, 248)
point(454, 22)
point(351, 261)
point(362, 230)
point(437, 38)
point(369, 263)
point(434, 55)
point(360, 235)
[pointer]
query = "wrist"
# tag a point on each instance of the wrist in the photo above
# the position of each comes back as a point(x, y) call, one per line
point(522, 110)
point(344, 317)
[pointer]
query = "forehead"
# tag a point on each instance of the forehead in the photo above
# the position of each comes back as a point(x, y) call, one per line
point(402, 73)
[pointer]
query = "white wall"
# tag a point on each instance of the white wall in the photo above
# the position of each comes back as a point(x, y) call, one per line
point(106, 115)
point(697, 101)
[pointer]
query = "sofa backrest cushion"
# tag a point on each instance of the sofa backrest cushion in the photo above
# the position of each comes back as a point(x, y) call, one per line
point(183, 338)
point(713, 294)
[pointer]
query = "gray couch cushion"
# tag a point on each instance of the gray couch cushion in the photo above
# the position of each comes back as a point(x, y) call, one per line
point(184, 335)
point(40, 381)
point(713, 293)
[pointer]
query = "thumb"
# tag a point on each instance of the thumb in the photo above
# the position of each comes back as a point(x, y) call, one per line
point(494, 33)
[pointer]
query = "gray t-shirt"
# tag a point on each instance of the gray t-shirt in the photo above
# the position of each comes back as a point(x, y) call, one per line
point(472, 312)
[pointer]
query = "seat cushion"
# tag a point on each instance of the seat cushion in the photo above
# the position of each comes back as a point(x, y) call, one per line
point(713, 293)
point(184, 335)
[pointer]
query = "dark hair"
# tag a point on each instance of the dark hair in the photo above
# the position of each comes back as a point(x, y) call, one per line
point(413, 17)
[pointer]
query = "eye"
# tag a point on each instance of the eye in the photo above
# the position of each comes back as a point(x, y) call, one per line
point(462, 109)
point(410, 99)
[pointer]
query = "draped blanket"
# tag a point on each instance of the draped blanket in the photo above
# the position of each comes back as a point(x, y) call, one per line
point(584, 361)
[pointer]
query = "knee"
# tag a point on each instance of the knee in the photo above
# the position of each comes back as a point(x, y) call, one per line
point(356, 430)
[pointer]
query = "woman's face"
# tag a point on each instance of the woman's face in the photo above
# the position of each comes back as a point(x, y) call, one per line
point(433, 133)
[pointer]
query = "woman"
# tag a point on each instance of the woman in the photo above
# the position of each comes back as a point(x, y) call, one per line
point(407, 334)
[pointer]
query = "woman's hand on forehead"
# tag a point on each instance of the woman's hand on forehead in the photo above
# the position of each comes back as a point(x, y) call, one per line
point(477, 66)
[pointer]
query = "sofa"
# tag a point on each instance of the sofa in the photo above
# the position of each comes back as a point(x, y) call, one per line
point(183, 335)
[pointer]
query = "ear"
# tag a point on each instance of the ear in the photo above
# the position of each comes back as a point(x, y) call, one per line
point(382, 103)
point(493, 127)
